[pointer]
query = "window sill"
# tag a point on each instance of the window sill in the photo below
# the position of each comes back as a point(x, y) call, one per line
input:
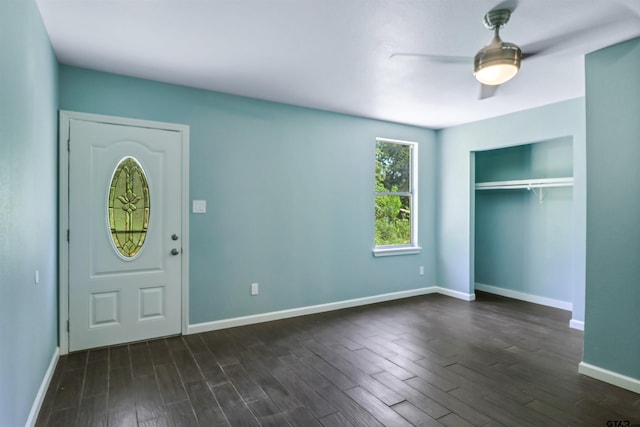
point(396, 250)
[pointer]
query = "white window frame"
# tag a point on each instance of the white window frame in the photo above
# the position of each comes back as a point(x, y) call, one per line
point(413, 247)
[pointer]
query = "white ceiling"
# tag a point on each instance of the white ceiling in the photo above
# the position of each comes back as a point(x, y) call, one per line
point(334, 54)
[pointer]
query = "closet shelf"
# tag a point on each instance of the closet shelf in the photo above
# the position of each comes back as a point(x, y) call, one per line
point(527, 184)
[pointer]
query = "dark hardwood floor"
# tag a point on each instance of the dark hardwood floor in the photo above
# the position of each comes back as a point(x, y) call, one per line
point(428, 361)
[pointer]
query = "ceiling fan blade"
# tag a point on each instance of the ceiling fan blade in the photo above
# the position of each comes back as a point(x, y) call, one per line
point(487, 91)
point(443, 59)
point(569, 39)
point(553, 44)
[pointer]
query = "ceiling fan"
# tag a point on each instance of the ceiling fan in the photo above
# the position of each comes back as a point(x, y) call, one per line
point(494, 64)
point(499, 61)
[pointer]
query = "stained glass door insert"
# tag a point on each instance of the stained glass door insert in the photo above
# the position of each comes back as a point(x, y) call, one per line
point(128, 207)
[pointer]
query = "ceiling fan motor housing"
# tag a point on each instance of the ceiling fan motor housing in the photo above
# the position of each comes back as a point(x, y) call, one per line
point(498, 53)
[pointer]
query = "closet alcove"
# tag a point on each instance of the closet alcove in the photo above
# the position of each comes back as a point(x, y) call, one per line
point(524, 222)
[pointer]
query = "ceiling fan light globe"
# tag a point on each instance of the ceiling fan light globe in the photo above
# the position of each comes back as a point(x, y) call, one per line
point(497, 63)
point(496, 74)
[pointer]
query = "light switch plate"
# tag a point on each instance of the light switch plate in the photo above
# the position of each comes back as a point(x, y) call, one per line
point(199, 206)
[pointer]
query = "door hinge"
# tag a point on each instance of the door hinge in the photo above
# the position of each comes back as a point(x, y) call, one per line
point(68, 326)
point(67, 234)
point(69, 143)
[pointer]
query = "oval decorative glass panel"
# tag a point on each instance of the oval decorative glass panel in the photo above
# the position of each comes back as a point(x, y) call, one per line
point(128, 207)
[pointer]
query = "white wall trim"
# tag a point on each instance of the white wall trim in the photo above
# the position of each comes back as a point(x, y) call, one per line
point(610, 377)
point(42, 391)
point(576, 324)
point(550, 302)
point(63, 244)
point(456, 294)
point(320, 308)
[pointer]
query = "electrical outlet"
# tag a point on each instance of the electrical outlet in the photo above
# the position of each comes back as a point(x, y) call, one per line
point(422, 270)
point(255, 289)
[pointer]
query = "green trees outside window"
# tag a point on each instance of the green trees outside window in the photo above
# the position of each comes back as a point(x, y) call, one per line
point(394, 193)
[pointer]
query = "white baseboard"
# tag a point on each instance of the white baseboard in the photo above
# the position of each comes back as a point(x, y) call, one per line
point(42, 391)
point(550, 302)
point(456, 294)
point(576, 324)
point(610, 377)
point(313, 309)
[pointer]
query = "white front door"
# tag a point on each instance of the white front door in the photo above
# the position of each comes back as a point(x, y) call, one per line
point(125, 223)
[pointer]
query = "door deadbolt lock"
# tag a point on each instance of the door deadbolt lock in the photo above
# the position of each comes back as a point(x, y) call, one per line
point(175, 251)
point(174, 237)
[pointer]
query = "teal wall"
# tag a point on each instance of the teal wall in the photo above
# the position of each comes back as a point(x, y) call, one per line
point(28, 208)
point(612, 330)
point(455, 219)
point(522, 244)
point(289, 191)
point(544, 159)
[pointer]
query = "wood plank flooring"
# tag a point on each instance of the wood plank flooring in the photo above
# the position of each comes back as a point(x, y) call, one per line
point(425, 361)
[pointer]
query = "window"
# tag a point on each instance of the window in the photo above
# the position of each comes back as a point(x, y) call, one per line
point(396, 198)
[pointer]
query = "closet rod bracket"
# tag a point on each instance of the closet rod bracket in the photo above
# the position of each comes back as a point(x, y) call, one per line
point(539, 193)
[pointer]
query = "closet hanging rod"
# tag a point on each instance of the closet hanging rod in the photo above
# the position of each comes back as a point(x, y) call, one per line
point(525, 184)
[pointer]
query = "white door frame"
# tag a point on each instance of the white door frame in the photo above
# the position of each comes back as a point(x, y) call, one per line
point(63, 198)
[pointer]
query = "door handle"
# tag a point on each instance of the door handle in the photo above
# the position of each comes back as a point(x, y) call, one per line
point(175, 251)
point(174, 237)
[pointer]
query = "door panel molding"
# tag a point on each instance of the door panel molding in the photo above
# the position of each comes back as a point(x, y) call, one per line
point(65, 118)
